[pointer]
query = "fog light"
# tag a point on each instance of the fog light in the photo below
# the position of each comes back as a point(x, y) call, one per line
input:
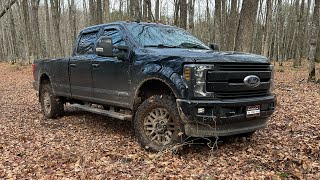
point(201, 110)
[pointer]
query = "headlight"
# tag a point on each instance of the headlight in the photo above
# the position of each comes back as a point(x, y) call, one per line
point(198, 72)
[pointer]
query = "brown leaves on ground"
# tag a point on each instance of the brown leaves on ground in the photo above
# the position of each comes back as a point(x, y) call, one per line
point(84, 145)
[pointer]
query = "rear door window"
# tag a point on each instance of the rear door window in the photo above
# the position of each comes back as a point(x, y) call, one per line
point(86, 43)
point(117, 38)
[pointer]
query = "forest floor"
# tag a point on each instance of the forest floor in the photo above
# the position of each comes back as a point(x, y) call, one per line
point(83, 145)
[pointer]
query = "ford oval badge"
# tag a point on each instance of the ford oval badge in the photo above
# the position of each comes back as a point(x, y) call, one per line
point(252, 81)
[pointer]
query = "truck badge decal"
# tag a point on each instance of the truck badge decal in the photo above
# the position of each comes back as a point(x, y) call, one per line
point(251, 81)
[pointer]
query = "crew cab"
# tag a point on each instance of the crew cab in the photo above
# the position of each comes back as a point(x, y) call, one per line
point(163, 79)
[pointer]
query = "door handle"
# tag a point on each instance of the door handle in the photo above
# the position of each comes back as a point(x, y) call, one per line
point(95, 65)
point(73, 65)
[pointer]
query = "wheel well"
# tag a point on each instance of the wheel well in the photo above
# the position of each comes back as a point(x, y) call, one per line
point(150, 88)
point(44, 79)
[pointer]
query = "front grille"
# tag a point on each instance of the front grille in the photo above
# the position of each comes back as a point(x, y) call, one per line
point(226, 80)
point(243, 67)
point(241, 94)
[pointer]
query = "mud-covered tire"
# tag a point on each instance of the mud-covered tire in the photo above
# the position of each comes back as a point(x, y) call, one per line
point(51, 105)
point(157, 123)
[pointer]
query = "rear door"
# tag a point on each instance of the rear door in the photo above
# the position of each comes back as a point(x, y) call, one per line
point(111, 75)
point(81, 66)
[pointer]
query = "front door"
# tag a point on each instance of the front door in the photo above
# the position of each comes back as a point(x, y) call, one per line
point(111, 76)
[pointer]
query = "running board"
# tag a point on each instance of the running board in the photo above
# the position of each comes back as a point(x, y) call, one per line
point(102, 112)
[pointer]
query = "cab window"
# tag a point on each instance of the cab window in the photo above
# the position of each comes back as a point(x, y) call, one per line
point(86, 43)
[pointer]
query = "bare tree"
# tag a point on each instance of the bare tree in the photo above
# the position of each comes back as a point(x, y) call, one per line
point(299, 45)
point(245, 29)
point(157, 10)
point(48, 29)
point(313, 42)
point(7, 7)
point(106, 11)
point(26, 18)
point(99, 11)
point(39, 50)
point(183, 14)
point(56, 12)
point(191, 14)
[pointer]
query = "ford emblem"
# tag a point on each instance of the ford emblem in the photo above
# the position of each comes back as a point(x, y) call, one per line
point(252, 81)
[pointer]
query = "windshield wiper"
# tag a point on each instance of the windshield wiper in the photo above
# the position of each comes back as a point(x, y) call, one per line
point(163, 46)
point(191, 45)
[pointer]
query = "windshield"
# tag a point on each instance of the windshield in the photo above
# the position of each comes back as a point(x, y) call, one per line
point(164, 37)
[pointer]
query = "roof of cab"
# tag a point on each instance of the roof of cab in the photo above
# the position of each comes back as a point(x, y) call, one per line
point(96, 27)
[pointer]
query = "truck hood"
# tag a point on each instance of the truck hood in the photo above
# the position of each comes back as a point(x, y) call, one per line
point(201, 56)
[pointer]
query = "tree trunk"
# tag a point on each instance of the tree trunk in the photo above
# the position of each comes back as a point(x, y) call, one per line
point(157, 10)
point(191, 15)
point(28, 33)
point(106, 10)
point(267, 29)
point(246, 24)
point(176, 12)
point(232, 25)
point(99, 11)
point(14, 38)
point(313, 42)
point(56, 11)
point(299, 42)
point(7, 7)
point(317, 57)
point(92, 10)
point(72, 22)
point(48, 30)
point(39, 50)
point(149, 10)
point(183, 14)
point(217, 22)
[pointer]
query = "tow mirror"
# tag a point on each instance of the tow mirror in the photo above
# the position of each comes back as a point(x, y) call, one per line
point(214, 46)
point(104, 46)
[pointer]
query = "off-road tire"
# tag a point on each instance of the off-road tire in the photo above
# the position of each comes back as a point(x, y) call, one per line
point(51, 105)
point(145, 124)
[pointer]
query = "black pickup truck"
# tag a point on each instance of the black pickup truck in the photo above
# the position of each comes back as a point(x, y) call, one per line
point(166, 81)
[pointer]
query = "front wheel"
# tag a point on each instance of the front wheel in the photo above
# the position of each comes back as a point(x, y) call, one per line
point(51, 105)
point(157, 123)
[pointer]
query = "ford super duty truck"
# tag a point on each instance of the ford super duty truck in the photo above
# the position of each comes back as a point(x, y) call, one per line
point(166, 81)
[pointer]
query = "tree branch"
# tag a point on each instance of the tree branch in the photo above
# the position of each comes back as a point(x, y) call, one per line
point(6, 8)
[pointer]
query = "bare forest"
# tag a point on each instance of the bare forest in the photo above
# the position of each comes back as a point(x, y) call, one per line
point(83, 145)
point(283, 30)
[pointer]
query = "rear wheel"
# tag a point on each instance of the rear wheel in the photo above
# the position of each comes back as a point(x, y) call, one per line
point(51, 105)
point(157, 123)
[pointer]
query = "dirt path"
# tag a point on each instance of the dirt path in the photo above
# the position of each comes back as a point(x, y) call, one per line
point(81, 145)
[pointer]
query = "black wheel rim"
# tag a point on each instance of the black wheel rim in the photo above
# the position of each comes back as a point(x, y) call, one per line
point(159, 126)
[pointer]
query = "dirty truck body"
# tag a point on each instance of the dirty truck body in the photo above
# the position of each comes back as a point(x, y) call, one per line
point(163, 79)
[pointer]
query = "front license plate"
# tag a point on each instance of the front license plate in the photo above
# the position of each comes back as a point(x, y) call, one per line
point(253, 111)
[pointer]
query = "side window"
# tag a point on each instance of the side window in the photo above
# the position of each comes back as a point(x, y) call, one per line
point(86, 43)
point(117, 38)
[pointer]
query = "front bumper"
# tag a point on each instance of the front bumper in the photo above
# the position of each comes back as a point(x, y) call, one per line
point(224, 117)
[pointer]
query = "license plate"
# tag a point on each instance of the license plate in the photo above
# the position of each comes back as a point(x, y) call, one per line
point(253, 111)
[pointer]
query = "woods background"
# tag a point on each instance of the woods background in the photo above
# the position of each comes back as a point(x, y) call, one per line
point(280, 29)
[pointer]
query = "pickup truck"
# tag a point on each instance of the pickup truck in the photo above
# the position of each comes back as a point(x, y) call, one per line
point(163, 79)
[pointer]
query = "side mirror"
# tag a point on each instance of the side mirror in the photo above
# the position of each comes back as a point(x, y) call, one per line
point(214, 46)
point(104, 46)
